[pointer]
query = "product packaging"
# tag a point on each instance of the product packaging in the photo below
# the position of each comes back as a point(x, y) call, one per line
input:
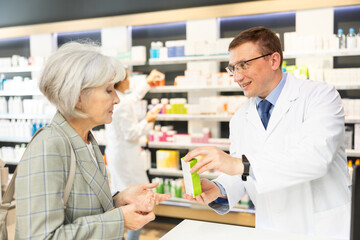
point(191, 180)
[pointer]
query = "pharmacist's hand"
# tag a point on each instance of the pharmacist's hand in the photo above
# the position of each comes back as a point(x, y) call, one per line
point(152, 114)
point(140, 195)
point(154, 75)
point(214, 158)
point(134, 218)
point(210, 192)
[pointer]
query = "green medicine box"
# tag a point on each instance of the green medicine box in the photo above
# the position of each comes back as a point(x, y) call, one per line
point(191, 180)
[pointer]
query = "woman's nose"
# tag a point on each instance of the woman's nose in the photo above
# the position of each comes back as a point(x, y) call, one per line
point(116, 98)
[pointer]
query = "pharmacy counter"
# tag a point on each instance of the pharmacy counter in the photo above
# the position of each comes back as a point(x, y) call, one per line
point(182, 208)
point(195, 230)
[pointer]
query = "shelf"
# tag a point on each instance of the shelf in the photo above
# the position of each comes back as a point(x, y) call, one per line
point(172, 89)
point(324, 53)
point(225, 57)
point(20, 93)
point(24, 116)
point(352, 119)
point(185, 146)
point(352, 153)
point(133, 62)
point(347, 87)
point(21, 69)
point(186, 117)
point(219, 118)
point(177, 60)
point(178, 173)
point(15, 139)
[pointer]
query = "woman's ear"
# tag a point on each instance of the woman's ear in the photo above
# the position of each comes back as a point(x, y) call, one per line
point(79, 104)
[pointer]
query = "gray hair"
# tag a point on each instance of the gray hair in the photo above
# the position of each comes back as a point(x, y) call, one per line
point(72, 70)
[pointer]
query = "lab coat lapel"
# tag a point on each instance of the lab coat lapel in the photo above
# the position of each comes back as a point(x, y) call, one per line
point(287, 98)
point(95, 176)
point(253, 117)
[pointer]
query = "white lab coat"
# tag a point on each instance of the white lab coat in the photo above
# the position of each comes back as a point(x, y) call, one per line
point(301, 182)
point(123, 151)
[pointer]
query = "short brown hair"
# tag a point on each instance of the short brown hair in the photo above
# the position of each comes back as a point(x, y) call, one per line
point(264, 38)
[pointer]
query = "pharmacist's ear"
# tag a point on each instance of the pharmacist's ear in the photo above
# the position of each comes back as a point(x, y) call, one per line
point(275, 59)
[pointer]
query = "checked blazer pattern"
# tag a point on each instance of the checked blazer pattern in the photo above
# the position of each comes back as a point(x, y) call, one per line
point(40, 183)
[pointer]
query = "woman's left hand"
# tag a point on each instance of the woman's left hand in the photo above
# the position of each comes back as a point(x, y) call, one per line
point(140, 195)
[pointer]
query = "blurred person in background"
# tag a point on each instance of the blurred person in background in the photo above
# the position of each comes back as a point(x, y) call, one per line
point(123, 150)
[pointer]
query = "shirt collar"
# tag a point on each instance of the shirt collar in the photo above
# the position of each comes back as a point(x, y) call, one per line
point(274, 95)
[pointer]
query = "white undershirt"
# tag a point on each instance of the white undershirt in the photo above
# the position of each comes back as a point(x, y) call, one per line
point(92, 153)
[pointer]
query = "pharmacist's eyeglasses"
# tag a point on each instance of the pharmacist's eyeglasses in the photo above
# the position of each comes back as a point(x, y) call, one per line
point(242, 66)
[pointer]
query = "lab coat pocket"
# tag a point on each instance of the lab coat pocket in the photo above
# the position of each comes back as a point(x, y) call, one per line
point(334, 223)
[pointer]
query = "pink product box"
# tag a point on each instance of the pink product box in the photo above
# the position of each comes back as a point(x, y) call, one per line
point(199, 138)
point(162, 137)
point(151, 138)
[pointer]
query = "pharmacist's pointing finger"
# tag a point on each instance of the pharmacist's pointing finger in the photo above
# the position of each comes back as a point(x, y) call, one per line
point(196, 152)
point(204, 165)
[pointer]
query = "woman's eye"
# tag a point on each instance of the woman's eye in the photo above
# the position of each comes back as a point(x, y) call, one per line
point(109, 91)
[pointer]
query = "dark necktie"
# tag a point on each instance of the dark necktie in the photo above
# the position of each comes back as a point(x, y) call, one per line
point(264, 107)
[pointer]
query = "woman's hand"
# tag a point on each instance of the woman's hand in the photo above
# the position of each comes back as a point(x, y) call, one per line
point(138, 194)
point(135, 219)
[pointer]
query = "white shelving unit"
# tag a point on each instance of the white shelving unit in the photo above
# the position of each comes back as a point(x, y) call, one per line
point(174, 89)
point(225, 118)
point(21, 69)
point(352, 153)
point(170, 145)
point(178, 60)
point(15, 139)
point(324, 53)
point(225, 57)
point(187, 117)
point(133, 63)
point(25, 116)
point(352, 119)
point(19, 93)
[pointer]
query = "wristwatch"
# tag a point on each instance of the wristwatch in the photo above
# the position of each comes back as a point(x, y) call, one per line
point(246, 168)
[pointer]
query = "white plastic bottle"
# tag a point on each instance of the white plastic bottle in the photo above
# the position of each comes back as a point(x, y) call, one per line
point(351, 39)
point(342, 39)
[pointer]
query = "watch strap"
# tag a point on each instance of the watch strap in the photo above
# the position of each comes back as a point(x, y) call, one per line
point(246, 172)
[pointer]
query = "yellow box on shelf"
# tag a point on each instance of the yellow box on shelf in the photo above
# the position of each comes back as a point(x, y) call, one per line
point(168, 159)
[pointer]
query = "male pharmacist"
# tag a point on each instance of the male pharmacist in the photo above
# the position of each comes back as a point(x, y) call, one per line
point(286, 150)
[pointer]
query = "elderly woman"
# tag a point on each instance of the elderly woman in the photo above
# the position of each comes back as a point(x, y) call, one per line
point(79, 81)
